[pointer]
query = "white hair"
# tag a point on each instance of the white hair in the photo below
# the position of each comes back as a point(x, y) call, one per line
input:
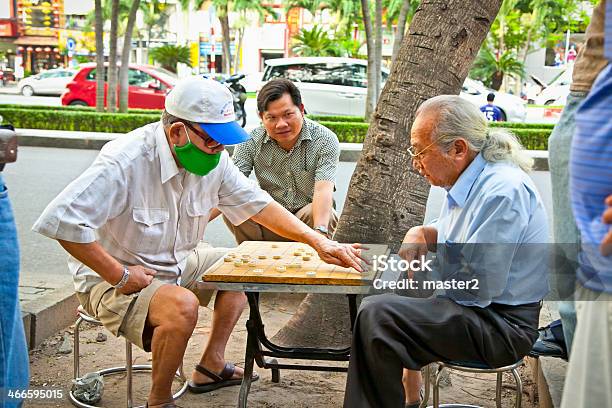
point(458, 118)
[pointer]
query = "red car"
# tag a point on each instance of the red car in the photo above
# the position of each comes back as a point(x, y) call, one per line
point(148, 86)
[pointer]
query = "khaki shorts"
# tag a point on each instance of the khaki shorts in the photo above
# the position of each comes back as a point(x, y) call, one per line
point(126, 315)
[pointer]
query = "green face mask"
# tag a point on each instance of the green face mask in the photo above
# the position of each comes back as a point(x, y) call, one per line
point(195, 160)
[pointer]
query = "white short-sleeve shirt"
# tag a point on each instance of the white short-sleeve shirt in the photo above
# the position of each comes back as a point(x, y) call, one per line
point(142, 208)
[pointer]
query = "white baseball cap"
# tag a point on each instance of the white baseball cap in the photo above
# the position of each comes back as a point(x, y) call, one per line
point(209, 104)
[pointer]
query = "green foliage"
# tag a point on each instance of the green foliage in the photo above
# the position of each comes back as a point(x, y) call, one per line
point(531, 138)
point(491, 70)
point(534, 136)
point(77, 120)
point(314, 43)
point(168, 56)
point(323, 118)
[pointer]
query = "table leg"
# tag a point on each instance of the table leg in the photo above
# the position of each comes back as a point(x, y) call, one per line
point(249, 360)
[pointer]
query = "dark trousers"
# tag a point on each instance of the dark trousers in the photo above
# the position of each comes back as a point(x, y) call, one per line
point(393, 332)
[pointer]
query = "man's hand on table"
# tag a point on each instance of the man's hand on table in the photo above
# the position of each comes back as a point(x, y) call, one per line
point(332, 252)
point(140, 278)
point(606, 244)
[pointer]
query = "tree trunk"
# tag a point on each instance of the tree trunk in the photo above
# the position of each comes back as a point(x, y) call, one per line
point(225, 34)
point(498, 79)
point(401, 28)
point(386, 197)
point(238, 49)
point(99, 28)
point(367, 23)
point(125, 58)
point(112, 58)
point(378, 49)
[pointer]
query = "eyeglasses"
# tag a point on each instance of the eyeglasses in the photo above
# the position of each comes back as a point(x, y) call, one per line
point(208, 141)
point(416, 155)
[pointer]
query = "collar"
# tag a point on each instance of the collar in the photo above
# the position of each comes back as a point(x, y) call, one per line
point(457, 195)
point(168, 165)
point(304, 135)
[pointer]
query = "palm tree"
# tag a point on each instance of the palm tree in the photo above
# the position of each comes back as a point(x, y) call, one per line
point(401, 11)
point(154, 15)
point(168, 56)
point(125, 57)
point(99, 30)
point(492, 69)
point(314, 43)
point(112, 58)
point(385, 199)
point(243, 7)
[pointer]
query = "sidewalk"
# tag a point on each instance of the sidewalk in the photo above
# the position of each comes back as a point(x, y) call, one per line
point(312, 389)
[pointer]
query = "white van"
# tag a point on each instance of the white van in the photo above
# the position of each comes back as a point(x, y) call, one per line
point(329, 85)
point(338, 86)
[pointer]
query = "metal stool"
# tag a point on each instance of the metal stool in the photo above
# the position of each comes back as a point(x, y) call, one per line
point(129, 368)
point(472, 367)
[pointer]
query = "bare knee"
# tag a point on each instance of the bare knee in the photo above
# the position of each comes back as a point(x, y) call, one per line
point(234, 300)
point(175, 308)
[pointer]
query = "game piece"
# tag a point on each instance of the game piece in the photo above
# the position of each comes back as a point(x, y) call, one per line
point(294, 265)
point(297, 253)
point(256, 261)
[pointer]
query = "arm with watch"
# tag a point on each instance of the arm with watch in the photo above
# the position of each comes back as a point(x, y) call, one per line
point(322, 203)
point(126, 279)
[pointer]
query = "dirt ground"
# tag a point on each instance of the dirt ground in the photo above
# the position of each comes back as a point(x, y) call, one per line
point(53, 370)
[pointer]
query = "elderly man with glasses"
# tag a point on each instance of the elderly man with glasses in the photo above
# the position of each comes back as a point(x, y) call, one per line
point(492, 230)
point(133, 221)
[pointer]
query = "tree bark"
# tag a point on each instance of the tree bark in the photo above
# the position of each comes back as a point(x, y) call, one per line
point(378, 49)
point(112, 58)
point(238, 49)
point(367, 23)
point(125, 58)
point(225, 34)
point(386, 196)
point(99, 28)
point(400, 29)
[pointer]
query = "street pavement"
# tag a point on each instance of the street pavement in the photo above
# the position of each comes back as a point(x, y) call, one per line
point(41, 173)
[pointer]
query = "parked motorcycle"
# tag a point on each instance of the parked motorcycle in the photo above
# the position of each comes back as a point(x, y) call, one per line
point(238, 92)
point(240, 96)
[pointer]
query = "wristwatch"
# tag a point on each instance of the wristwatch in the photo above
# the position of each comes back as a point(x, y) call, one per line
point(124, 278)
point(322, 229)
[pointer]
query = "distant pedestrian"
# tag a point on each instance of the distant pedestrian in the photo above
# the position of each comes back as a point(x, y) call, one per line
point(492, 112)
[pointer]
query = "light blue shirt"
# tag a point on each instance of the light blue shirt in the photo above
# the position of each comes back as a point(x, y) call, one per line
point(493, 228)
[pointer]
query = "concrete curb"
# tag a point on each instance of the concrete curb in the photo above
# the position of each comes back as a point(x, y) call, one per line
point(46, 315)
point(349, 152)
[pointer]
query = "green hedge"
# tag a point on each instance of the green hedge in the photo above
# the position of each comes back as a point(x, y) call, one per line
point(71, 108)
point(76, 120)
point(352, 132)
point(359, 119)
point(87, 119)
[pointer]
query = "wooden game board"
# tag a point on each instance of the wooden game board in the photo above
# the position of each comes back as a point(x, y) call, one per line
point(286, 262)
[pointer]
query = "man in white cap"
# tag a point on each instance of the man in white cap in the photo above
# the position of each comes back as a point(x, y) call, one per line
point(133, 221)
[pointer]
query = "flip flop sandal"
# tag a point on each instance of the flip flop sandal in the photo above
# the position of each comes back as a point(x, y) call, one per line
point(223, 379)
